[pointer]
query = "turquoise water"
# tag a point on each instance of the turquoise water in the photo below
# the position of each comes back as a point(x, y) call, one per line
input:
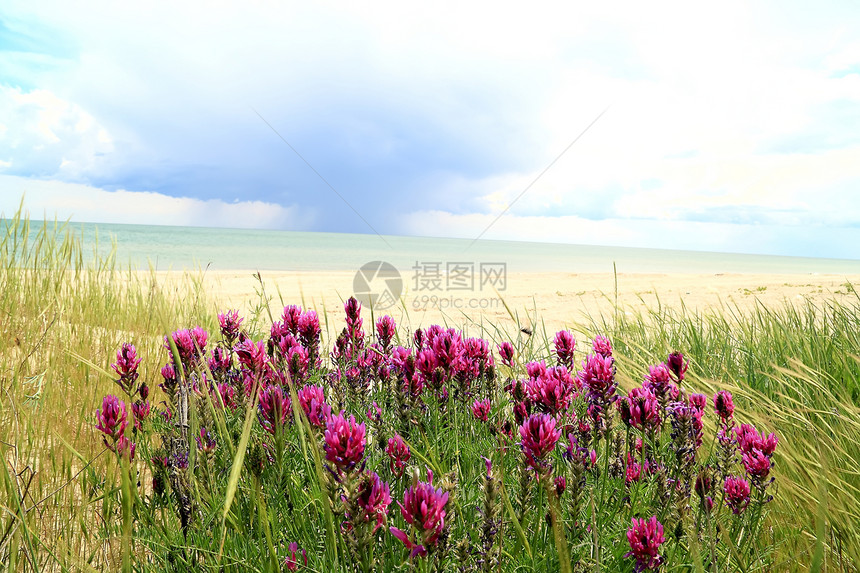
point(180, 248)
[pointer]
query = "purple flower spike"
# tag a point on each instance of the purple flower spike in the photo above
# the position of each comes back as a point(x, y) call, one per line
point(399, 454)
point(539, 437)
point(273, 409)
point(602, 346)
point(644, 409)
point(126, 365)
point(230, 324)
point(737, 492)
point(385, 328)
point(252, 355)
point(481, 410)
point(344, 442)
point(506, 352)
point(677, 365)
point(423, 508)
point(312, 401)
point(374, 497)
point(723, 405)
point(564, 346)
point(112, 418)
point(645, 538)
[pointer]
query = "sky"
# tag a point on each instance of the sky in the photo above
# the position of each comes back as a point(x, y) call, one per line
point(732, 126)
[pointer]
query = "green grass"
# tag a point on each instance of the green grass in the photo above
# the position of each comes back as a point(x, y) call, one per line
point(53, 309)
point(794, 370)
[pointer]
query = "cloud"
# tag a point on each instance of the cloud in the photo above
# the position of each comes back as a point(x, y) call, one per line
point(43, 135)
point(50, 199)
point(734, 113)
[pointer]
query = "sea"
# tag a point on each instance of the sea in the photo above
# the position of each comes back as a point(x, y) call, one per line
point(198, 248)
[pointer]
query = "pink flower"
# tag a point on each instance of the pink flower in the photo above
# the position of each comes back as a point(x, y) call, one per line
point(539, 437)
point(737, 493)
point(698, 402)
point(535, 369)
point(309, 329)
point(230, 323)
point(221, 360)
point(344, 442)
point(200, 338)
point(644, 409)
point(312, 401)
point(560, 485)
point(184, 344)
point(126, 365)
point(506, 352)
point(112, 418)
point(749, 439)
point(292, 560)
point(447, 348)
point(399, 454)
point(481, 410)
point(141, 410)
point(723, 405)
point(374, 497)
point(677, 365)
point(757, 464)
point(290, 318)
point(423, 508)
point(564, 347)
point(659, 381)
point(385, 329)
point(252, 355)
point(552, 390)
point(598, 374)
point(602, 346)
point(298, 362)
point(352, 308)
point(273, 409)
point(645, 538)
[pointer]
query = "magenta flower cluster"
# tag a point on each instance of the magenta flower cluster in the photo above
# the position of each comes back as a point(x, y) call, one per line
point(344, 442)
point(423, 508)
point(645, 538)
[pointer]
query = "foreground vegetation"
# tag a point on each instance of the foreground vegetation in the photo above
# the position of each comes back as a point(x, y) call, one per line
point(264, 488)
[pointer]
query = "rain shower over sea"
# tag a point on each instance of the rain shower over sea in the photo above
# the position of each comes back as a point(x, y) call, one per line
point(165, 248)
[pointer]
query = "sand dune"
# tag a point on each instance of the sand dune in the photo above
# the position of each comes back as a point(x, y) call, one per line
point(559, 300)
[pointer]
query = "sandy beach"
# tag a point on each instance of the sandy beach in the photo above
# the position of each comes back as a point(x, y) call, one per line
point(559, 300)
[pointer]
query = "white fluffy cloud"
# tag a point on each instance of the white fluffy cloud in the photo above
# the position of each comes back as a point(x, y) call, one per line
point(50, 199)
point(43, 135)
